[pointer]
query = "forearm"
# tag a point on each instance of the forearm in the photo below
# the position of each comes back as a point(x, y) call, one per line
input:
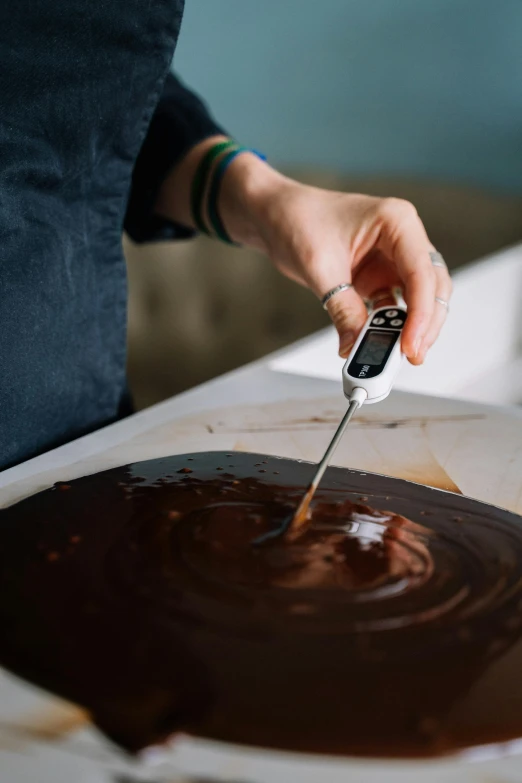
point(246, 186)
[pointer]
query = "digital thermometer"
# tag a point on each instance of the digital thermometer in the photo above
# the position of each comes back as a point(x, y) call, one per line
point(376, 357)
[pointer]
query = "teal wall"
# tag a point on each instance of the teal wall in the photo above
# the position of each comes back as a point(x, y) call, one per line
point(413, 87)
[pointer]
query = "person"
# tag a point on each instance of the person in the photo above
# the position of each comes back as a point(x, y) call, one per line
point(97, 136)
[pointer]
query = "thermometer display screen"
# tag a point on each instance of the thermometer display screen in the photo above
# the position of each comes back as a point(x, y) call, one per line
point(375, 347)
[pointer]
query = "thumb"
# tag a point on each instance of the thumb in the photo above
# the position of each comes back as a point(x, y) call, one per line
point(348, 313)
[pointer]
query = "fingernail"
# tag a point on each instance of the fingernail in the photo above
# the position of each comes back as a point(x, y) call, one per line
point(417, 347)
point(346, 343)
point(423, 352)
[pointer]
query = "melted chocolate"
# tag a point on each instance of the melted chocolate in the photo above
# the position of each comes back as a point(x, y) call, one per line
point(392, 626)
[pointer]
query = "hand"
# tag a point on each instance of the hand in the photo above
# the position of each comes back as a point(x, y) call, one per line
point(321, 238)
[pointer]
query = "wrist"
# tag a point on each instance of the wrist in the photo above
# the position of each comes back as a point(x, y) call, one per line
point(245, 193)
point(248, 185)
point(173, 201)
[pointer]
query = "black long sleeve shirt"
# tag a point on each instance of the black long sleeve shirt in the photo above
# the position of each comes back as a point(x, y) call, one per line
point(91, 122)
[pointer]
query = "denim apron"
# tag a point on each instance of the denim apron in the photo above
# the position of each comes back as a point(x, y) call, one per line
point(79, 84)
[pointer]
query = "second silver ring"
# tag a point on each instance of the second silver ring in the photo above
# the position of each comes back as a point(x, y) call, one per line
point(442, 302)
point(437, 259)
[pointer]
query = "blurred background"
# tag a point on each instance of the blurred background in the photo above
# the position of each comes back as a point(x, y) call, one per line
point(421, 100)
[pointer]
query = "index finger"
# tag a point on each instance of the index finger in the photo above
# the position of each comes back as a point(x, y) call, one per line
point(404, 241)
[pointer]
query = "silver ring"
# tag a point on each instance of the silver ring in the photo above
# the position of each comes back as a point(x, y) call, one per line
point(437, 259)
point(442, 302)
point(333, 291)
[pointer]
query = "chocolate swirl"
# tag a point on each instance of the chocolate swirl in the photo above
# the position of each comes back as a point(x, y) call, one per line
point(138, 592)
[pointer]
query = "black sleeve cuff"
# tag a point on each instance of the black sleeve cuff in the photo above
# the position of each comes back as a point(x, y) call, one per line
point(179, 122)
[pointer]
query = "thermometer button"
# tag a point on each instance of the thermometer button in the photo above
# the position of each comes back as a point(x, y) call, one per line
point(396, 322)
point(391, 313)
point(378, 321)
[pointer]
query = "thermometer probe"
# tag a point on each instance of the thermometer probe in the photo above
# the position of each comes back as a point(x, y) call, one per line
point(368, 377)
